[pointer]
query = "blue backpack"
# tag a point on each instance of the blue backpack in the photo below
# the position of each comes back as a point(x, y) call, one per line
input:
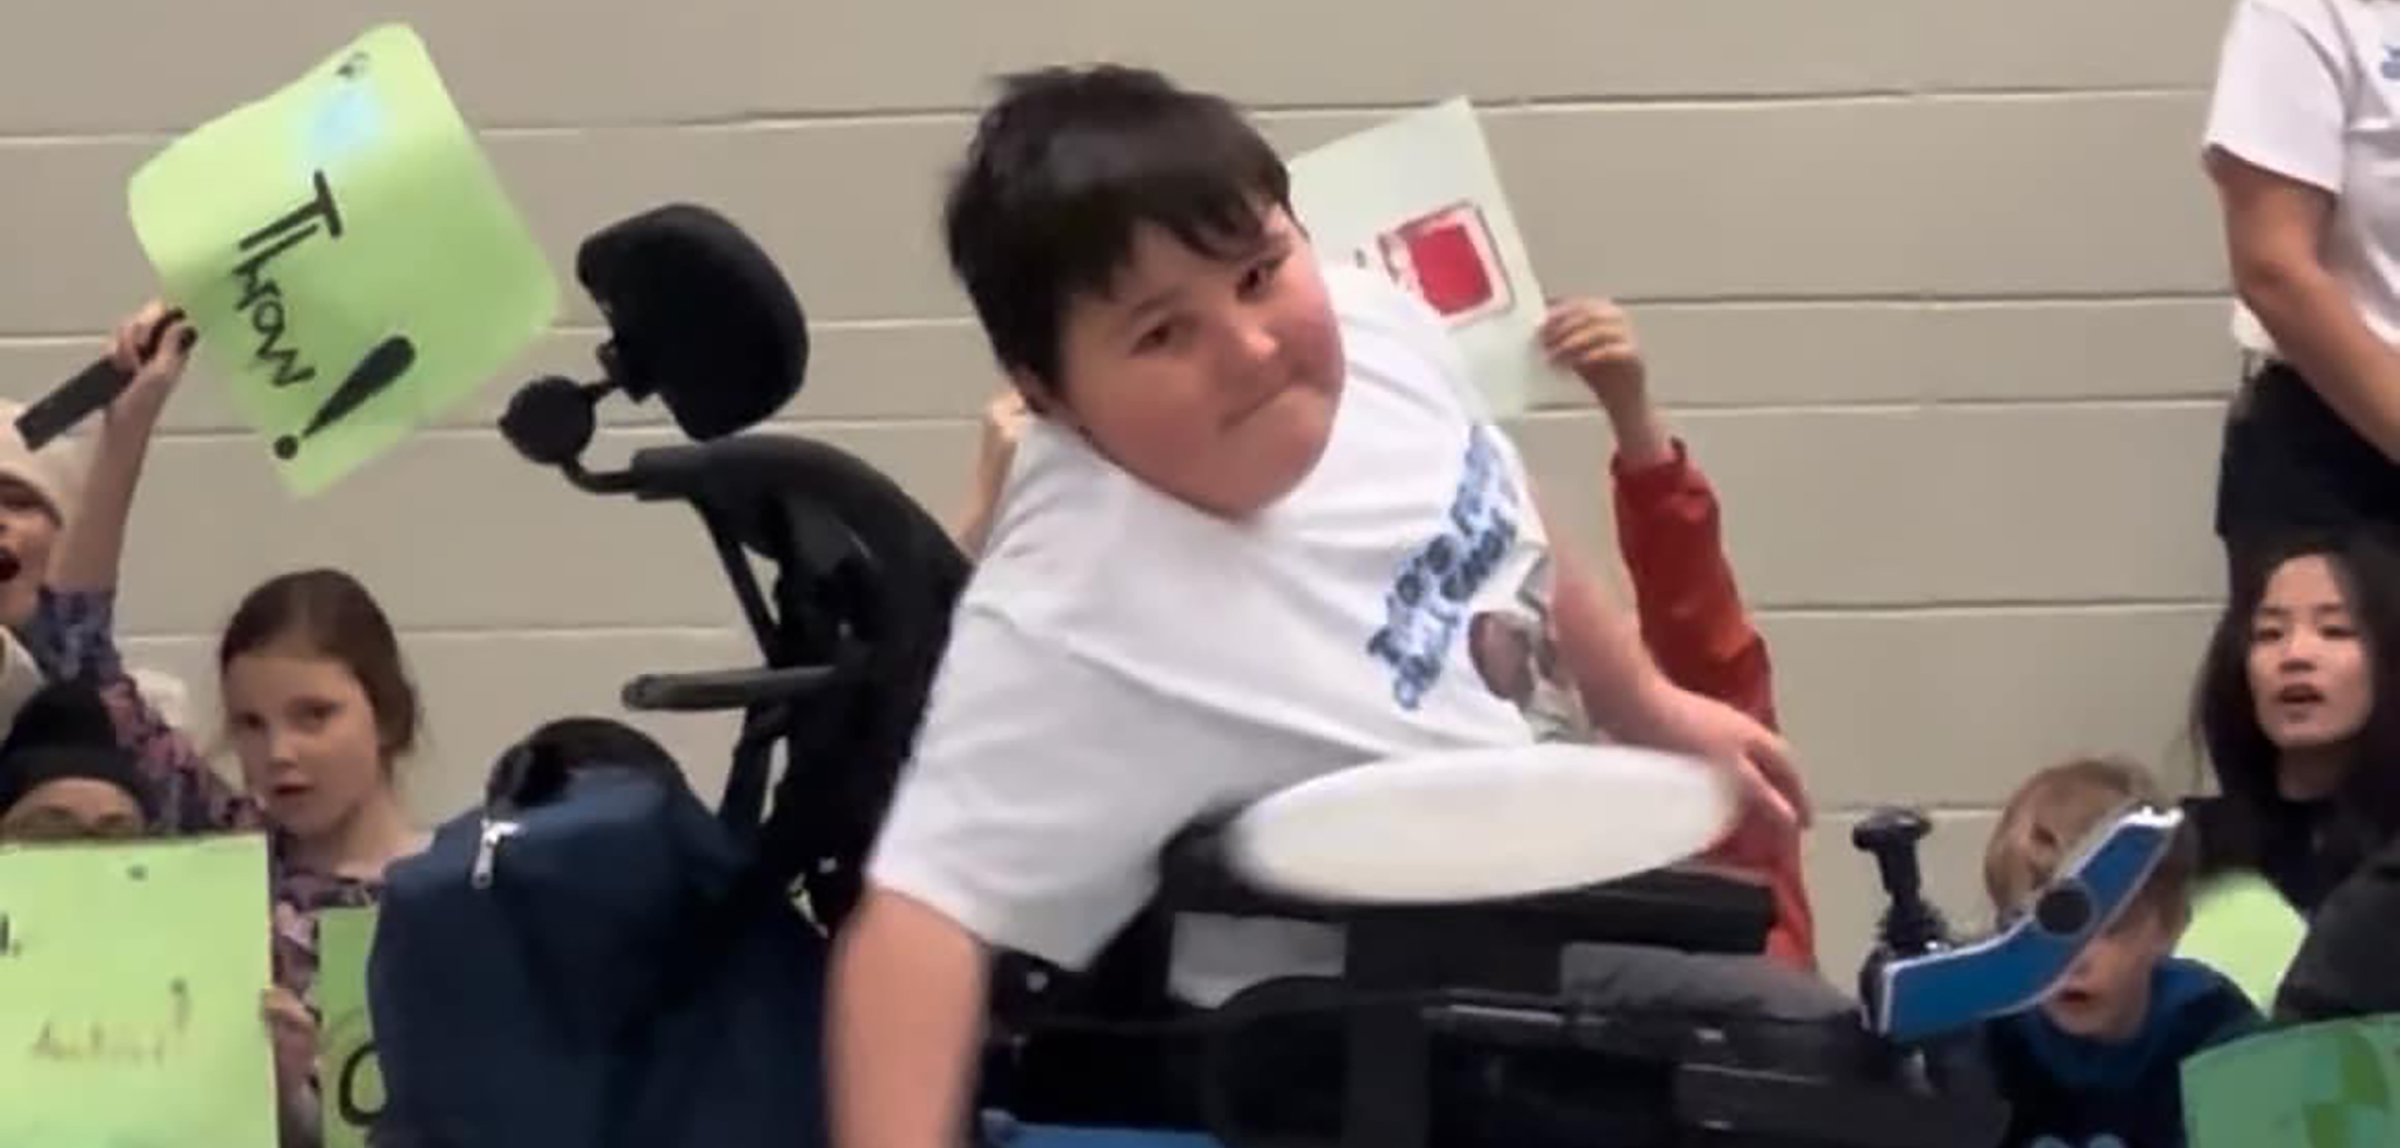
point(591, 960)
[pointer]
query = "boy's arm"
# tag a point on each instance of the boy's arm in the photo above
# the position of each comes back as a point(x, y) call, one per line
point(907, 1015)
point(1030, 819)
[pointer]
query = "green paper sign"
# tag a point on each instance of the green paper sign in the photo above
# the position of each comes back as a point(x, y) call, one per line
point(2243, 928)
point(2329, 1085)
point(130, 978)
point(347, 1073)
point(348, 255)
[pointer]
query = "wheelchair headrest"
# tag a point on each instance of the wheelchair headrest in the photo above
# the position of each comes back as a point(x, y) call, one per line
point(699, 315)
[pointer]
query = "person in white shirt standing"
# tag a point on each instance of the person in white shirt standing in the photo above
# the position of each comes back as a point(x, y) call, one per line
point(1244, 544)
point(2303, 145)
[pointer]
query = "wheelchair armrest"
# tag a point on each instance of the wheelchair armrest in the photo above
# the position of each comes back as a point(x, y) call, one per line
point(1667, 908)
point(712, 690)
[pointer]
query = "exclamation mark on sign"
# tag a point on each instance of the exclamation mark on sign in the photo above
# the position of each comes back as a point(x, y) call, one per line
point(381, 367)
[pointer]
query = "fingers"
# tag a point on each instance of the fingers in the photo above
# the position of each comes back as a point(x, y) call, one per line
point(1005, 415)
point(175, 344)
point(145, 335)
point(125, 345)
point(291, 1027)
point(1582, 319)
point(1595, 343)
point(281, 1007)
point(1584, 312)
point(1771, 758)
point(1765, 794)
point(1592, 345)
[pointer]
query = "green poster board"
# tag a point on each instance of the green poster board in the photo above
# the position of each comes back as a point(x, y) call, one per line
point(2329, 1085)
point(2244, 929)
point(347, 1073)
point(348, 255)
point(130, 978)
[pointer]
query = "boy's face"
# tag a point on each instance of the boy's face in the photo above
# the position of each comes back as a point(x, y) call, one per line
point(2106, 995)
point(1213, 381)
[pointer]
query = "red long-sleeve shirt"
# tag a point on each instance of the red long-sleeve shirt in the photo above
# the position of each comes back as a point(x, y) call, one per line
point(1692, 619)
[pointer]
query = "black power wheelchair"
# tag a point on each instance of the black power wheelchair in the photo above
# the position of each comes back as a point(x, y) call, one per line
point(1448, 1023)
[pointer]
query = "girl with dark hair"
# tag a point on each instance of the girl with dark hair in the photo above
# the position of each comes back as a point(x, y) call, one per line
point(2302, 730)
point(2302, 734)
point(319, 708)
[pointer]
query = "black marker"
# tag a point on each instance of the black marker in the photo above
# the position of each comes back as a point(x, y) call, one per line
point(97, 386)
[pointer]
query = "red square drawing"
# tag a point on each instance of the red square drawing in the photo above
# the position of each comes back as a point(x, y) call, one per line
point(1448, 258)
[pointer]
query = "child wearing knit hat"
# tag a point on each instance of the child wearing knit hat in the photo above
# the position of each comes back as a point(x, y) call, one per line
point(63, 776)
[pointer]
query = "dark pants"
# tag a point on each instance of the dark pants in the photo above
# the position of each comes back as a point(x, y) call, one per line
point(2291, 465)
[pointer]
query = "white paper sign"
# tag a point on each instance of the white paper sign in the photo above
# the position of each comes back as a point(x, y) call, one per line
point(1419, 200)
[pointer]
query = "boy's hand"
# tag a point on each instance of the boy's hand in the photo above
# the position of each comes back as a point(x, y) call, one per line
point(1716, 732)
point(1594, 338)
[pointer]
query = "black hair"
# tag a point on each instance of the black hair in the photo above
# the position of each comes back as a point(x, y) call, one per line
point(2304, 848)
point(64, 732)
point(1063, 171)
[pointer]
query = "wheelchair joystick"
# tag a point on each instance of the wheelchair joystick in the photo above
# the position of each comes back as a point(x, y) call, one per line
point(1950, 1064)
point(1911, 924)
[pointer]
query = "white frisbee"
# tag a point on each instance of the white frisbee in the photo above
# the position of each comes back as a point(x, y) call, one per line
point(1481, 824)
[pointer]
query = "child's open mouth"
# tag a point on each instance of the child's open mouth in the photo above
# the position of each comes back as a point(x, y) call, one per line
point(10, 565)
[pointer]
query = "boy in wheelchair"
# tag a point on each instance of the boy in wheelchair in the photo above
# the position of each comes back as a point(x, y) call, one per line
point(1246, 545)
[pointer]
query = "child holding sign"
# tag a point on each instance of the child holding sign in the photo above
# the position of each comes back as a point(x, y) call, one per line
point(70, 625)
point(318, 703)
point(320, 708)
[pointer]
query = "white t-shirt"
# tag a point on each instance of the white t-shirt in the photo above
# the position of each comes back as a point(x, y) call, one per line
point(2310, 89)
point(1122, 663)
